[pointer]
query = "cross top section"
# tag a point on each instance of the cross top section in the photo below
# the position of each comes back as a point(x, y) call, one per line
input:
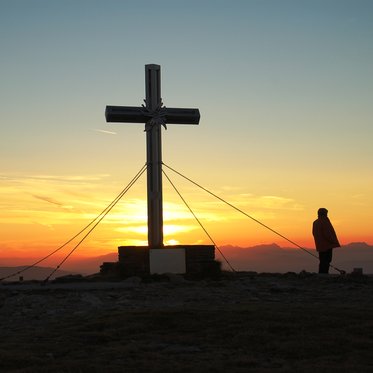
point(154, 115)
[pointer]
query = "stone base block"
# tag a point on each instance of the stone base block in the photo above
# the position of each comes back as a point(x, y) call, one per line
point(136, 260)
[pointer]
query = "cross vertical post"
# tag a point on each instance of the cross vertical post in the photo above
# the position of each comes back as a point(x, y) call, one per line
point(154, 115)
point(154, 158)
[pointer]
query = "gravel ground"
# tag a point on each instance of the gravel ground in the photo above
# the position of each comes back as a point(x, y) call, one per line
point(242, 322)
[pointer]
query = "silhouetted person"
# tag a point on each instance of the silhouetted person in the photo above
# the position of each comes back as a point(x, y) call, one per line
point(325, 239)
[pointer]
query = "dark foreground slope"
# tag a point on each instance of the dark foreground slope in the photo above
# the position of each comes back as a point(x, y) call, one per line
point(243, 323)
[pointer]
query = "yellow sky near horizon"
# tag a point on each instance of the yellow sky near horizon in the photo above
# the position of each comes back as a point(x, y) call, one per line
point(42, 212)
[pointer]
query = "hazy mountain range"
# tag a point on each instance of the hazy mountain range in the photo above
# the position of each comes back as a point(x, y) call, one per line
point(273, 258)
point(34, 273)
point(261, 258)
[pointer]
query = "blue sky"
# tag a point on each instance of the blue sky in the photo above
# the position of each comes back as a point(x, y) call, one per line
point(284, 89)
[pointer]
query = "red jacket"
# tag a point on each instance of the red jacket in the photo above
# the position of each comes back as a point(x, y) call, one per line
point(324, 234)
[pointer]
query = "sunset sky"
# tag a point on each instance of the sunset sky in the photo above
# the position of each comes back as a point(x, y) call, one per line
point(284, 88)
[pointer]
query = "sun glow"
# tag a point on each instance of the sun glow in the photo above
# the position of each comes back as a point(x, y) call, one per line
point(41, 213)
point(168, 229)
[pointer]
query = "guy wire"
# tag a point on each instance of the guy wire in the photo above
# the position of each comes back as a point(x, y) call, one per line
point(199, 222)
point(139, 173)
point(249, 216)
point(106, 211)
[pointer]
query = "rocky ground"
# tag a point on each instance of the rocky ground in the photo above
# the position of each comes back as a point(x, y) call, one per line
point(244, 322)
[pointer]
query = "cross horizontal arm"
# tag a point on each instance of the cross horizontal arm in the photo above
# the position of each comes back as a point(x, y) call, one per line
point(127, 114)
point(182, 116)
point(134, 114)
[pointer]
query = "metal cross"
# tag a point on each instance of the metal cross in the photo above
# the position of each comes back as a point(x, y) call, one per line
point(154, 115)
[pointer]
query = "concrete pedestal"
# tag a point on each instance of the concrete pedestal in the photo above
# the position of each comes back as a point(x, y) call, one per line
point(196, 260)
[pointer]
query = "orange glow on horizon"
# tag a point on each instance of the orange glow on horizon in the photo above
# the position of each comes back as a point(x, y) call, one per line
point(40, 213)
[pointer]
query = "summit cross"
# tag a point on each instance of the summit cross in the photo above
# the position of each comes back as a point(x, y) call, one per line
point(154, 115)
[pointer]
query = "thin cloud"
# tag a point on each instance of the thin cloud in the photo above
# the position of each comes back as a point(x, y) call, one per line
point(49, 226)
point(104, 131)
point(53, 201)
point(52, 178)
point(48, 199)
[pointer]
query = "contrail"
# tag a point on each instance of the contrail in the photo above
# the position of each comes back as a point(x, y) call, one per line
point(107, 132)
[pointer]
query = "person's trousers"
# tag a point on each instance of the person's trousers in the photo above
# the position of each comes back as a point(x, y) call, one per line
point(325, 260)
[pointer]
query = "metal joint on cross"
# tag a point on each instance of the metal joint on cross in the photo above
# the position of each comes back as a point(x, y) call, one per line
point(157, 116)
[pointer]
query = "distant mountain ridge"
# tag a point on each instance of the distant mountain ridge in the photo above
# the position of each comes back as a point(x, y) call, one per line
point(34, 273)
point(259, 258)
point(273, 258)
